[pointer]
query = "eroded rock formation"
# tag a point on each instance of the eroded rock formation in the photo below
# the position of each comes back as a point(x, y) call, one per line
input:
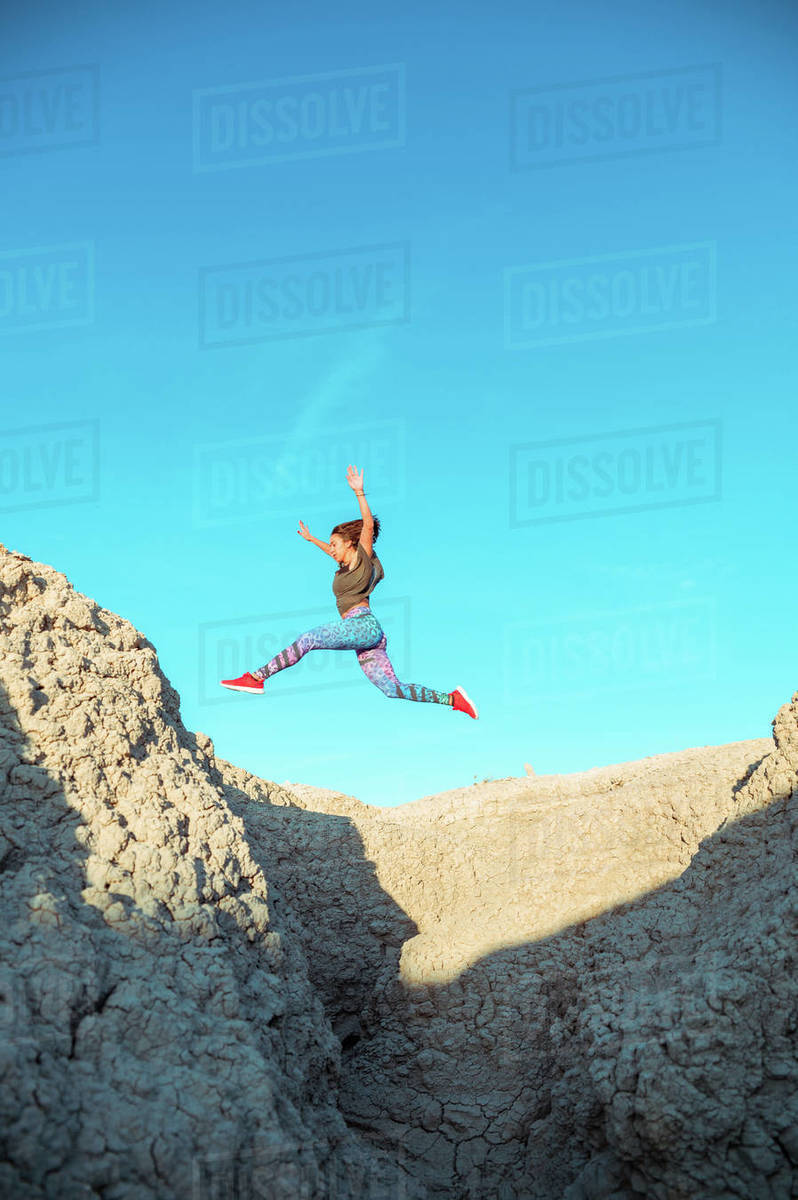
point(577, 987)
point(161, 1036)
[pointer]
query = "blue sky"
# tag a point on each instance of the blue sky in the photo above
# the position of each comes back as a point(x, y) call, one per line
point(532, 270)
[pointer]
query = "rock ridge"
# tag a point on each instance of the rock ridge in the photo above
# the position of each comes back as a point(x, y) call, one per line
point(574, 987)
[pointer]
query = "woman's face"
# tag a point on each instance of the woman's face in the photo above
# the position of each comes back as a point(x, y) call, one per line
point(341, 549)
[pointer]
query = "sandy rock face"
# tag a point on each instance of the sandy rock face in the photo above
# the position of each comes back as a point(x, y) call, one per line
point(548, 988)
point(160, 1036)
point(687, 1018)
point(595, 998)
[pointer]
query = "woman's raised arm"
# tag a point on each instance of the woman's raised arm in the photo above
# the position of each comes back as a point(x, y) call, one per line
point(304, 532)
point(355, 480)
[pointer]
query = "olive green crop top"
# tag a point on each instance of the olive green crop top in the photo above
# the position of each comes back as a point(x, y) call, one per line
point(352, 587)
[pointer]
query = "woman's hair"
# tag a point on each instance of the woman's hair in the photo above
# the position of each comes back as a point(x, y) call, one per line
point(350, 531)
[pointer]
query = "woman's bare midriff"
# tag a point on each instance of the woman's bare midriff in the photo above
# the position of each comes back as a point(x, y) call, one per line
point(354, 606)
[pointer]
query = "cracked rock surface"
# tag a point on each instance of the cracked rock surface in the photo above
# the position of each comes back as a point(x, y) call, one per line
point(573, 987)
point(596, 997)
point(160, 1033)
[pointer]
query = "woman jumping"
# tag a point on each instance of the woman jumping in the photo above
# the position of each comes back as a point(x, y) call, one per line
point(359, 572)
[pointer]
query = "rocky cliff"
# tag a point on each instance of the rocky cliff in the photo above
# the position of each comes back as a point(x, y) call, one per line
point(560, 986)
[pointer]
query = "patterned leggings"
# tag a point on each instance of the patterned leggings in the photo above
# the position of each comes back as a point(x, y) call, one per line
point(359, 630)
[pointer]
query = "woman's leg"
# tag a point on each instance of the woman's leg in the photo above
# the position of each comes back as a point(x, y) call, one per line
point(356, 632)
point(377, 667)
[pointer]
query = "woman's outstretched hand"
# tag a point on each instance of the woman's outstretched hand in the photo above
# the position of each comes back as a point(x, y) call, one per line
point(303, 531)
point(354, 478)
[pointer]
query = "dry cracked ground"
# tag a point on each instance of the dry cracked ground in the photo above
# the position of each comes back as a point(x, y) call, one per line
point(576, 987)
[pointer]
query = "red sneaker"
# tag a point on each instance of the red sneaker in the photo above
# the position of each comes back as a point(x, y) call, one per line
point(462, 703)
point(244, 683)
